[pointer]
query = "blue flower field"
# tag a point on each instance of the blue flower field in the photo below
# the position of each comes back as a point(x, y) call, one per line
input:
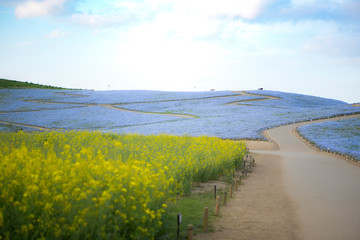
point(341, 136)
point(225, 114)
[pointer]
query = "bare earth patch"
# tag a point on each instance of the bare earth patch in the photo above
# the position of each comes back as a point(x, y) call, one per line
point(208, 186)
point(261, 145)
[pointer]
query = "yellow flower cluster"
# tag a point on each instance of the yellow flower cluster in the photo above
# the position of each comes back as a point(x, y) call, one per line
point(92, 185)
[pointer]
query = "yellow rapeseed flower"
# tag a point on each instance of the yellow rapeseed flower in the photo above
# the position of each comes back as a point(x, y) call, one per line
point(1, 219)
point(74, 179)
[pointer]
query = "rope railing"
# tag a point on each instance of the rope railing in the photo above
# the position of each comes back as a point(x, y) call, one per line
point(248, 165)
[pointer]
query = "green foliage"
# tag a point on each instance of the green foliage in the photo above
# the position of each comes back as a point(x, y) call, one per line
point(5, 83)
point(191, 209)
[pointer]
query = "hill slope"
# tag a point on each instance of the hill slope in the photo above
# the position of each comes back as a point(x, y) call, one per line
point(225, 114)
point(6, 83)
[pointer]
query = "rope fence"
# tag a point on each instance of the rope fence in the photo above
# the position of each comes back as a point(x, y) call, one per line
point(203, 225)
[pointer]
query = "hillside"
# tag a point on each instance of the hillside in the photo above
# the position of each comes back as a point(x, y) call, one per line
point(225, 114)
point(11, 84)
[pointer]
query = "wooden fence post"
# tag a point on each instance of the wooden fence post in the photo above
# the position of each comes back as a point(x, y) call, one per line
point(217, 208)
point(225, 193)
point(236, 185)
point(230, 190)
point(215, 192)
point(190, 231)
point(206, 214)
point(178, 225)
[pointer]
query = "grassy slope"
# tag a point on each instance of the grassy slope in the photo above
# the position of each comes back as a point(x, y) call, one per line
point(5, 83)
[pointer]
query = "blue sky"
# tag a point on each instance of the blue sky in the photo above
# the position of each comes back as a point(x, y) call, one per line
point(303, 46)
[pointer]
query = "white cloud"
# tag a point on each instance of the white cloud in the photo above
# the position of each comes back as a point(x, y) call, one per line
point(179, 13)
point(352, 8)
point(210, 8)
point(31, 8)
point(149, 56)
point(96, 20)
point(334, 10)
point(334, 45)
point(191, 20)
point(57, 34)
point(215, 8)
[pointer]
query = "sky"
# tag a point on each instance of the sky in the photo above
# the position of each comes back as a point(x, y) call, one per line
point(302, 46)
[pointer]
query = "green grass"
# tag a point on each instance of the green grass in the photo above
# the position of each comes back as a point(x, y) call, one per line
point(5, 83)
point(192, 210)
point(9, 128)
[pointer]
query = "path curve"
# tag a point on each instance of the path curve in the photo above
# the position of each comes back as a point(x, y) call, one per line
point(244, 93)
point(110, 106)
point(295, 192)
point(324, 189)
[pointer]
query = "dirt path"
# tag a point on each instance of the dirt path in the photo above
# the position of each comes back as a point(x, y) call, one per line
point(30, 126)
point(244, 93)
point(261, 209)
point(324, 188)
point(295, 192)
point(110, 106)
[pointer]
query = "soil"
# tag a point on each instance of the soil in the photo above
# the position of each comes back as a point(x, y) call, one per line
point(110, 106)
point(209, 186)
point(261, 145)
point(260, 209)
point(243, 93)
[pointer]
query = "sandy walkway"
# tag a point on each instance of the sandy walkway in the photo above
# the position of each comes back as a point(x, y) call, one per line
point(324, 188)
point(244, 93)
point(295, 192)
point(261, 209)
